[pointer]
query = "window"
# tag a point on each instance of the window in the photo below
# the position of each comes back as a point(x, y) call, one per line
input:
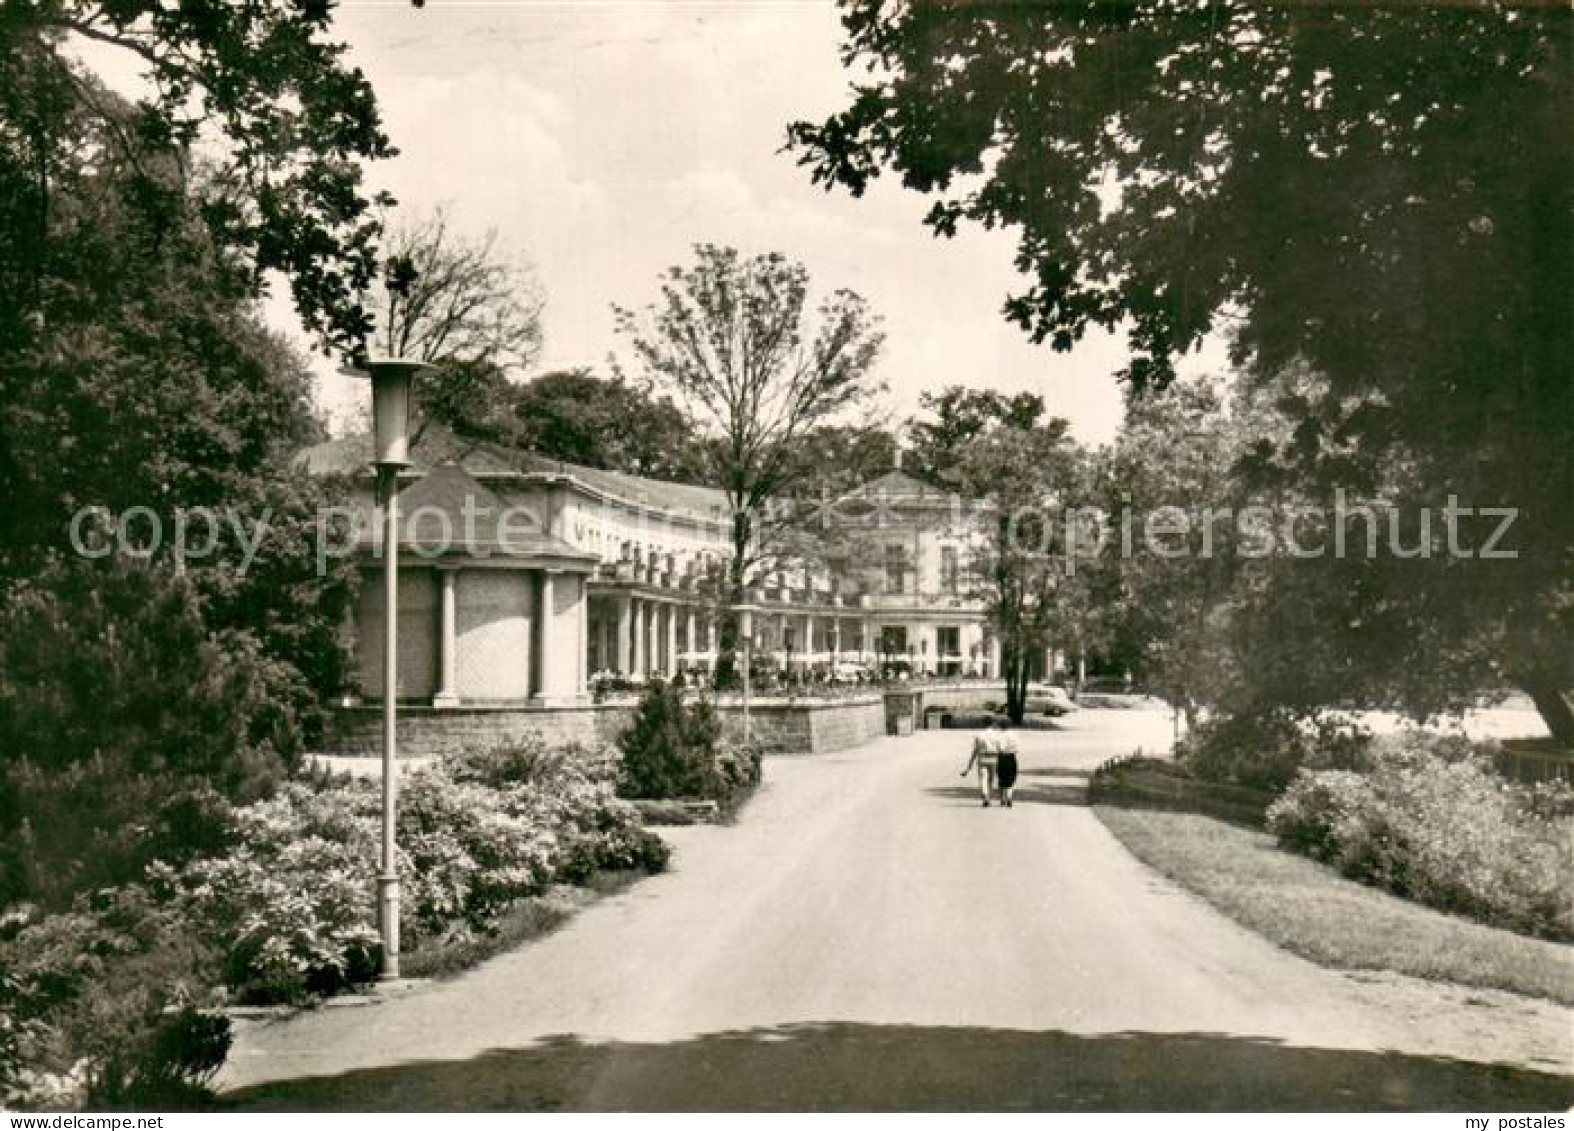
point(948, 570)
point(948, 641)
point(893, 640)
point(895, 568)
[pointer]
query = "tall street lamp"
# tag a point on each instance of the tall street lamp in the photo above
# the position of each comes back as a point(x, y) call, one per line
point(392, 379)
point(746, 629)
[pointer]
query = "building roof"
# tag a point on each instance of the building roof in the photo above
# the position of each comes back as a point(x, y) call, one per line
point(899, 486)
point(434, 445)
point(447, 512)
point(661, 494)
point(438, 446)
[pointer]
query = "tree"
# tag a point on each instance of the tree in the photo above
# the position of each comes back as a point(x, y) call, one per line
point(1164, 603)
point(464, 304)
point(144, 376)
point(833, 459)
point(446, 298)
point(728, 340)
point(139, 379)
point(294, 120)
point(1019, 465)
point(120, 711)
point(142, 382)
point(578, 417)
point(959, 416)
point(1340, 187)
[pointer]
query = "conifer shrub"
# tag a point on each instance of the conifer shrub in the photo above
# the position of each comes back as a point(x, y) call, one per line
point(674, 749)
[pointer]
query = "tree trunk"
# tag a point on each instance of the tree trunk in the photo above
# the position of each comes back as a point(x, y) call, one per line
point(725, 673)
point(1552, 702)
point(727, 643)
point(1014, 660)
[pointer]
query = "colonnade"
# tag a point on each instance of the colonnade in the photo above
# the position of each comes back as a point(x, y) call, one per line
point(635, 635)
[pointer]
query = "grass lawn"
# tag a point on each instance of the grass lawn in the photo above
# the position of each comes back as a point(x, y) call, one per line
point(526, 920)
point(1316, 913)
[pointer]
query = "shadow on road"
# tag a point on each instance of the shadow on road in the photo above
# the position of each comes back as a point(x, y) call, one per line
point(1034, 787)
point(1027, 793)
point(850, 1067)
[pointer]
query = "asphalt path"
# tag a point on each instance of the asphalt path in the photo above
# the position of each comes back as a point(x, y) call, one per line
point(868, 936)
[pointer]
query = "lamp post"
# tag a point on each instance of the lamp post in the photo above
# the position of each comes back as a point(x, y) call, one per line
point(746, 629)
point(392, 379)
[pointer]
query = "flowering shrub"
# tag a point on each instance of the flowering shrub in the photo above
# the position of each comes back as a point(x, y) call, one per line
point(530, 759)
point(294, 902)
point(109, 1004)
point(574, 794)
point(469, 852)
point(738, 765)
point(1433, 821)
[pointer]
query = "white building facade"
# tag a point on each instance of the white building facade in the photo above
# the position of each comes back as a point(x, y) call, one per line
point(522, 578)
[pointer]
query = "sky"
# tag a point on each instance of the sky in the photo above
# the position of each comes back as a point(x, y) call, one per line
point(603, 140)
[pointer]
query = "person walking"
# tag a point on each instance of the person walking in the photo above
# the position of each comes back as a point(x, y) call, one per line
point(983, 758)
point(1005, 761)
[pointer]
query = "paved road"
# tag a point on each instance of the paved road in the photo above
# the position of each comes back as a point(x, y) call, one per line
point(868, 936)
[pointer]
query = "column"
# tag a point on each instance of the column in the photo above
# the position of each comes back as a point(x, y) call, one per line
point(447, 694)
point(693, 638)
point(808, 638)
point(652, 637)
point(636, 637)
point(625, 660)
point(994, 657)
point(546, 662)
point(671, 665)
point(582, 631)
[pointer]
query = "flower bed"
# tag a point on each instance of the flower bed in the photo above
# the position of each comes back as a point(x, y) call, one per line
point(476, 833)
point(114, 1002)
point(1430, 819)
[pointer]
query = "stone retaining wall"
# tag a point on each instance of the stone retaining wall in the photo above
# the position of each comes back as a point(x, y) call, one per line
point(966, 695)
point(430, 732)
point(780, 726)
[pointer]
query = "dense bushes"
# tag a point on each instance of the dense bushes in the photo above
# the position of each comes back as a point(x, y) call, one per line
point(111, 1004)
point(1430, 819)
point(1264, 750)
point(121, 715)
point(293, 901)
point(674, 749)
point(103, 1002)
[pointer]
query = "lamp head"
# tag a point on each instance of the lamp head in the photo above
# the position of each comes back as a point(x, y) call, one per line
point(393, 379)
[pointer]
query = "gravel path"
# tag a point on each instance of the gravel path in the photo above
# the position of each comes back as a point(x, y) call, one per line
point(866, 932)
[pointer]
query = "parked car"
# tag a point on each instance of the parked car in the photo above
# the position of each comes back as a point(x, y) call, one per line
point(1047, 699)
point(896, 669)
point(850, 671)
point(1108, 685)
